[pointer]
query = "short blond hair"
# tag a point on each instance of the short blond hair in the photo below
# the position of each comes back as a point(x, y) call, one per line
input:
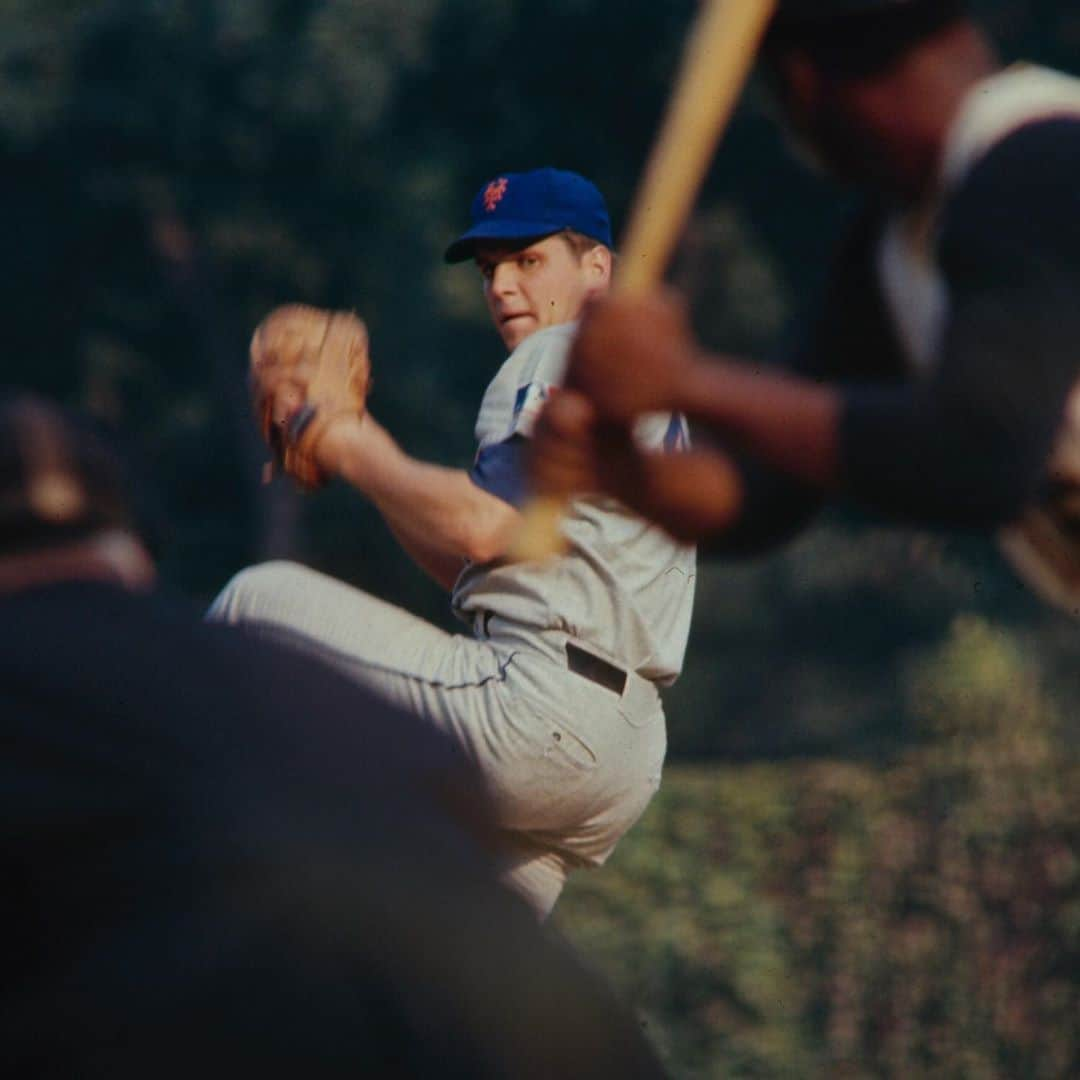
point(579, 243)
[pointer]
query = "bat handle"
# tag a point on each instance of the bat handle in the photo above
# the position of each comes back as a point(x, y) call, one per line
point(718, 57)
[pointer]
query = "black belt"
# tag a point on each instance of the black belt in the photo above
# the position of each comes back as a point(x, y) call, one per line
point(594, 668)
point(580, 662)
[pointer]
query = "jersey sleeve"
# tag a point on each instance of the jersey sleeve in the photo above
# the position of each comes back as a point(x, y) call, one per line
point(500, 470)
point(969, 447)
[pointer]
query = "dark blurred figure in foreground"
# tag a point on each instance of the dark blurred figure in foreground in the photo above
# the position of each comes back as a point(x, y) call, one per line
point(940, 384)
point(218, 854)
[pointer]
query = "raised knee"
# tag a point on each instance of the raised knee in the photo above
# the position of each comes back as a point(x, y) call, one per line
point(245, 593)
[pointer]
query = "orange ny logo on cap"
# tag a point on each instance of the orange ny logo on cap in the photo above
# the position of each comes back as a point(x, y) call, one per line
point(494, 192)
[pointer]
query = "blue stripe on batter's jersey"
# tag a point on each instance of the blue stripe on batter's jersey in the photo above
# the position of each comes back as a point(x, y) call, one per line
point(500, 470)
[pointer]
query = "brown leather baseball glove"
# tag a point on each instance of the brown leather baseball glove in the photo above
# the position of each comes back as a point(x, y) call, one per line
point(309, 367)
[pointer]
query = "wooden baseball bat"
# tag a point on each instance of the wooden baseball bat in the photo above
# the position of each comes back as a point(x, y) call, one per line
point(717, 59)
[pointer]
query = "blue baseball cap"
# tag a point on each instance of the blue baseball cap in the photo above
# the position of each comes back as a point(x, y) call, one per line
point(523, 206)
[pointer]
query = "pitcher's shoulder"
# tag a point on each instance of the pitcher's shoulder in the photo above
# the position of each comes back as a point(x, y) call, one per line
point(543, 354)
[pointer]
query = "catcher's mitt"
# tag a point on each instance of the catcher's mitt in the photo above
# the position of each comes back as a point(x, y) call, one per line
point(308, 368)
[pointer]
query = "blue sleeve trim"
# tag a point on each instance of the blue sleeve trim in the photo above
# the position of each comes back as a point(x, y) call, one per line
point(500, 471)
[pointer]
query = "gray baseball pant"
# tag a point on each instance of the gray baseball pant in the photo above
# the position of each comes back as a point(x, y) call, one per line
point(570, 763)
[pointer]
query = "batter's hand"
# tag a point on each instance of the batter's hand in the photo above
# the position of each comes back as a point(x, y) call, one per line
point(691, 494)
point(633, 355)
point(573, 452)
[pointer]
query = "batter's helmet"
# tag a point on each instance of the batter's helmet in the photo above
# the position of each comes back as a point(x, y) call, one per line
point(854, 38)
point(792, 12)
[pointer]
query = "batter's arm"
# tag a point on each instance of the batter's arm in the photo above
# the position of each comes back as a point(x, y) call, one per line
point(638, 354)
point(964, 448)
point(967, 447)
point(439, 516)
point(791, 422)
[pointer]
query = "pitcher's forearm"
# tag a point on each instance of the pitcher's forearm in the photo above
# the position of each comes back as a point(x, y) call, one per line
point(432, 509)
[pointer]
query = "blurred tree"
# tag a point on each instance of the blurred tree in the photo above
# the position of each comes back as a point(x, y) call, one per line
point(171, 169)
point(829, 919)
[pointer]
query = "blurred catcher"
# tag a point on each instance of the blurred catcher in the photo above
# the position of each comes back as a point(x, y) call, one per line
point(938, 384)
point(66, 511)
point(218, 850)
point(555, 694)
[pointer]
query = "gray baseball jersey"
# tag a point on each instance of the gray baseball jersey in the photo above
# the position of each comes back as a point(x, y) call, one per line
point(624, 586)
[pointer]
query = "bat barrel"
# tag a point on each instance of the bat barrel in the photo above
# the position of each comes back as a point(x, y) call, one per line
point(717, 59)
point(718, 56)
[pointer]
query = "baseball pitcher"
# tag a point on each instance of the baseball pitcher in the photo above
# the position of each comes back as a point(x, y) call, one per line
point(555, 691)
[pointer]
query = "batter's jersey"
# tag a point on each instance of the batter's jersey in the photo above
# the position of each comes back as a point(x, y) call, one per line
point(624, 586)
point(921, 298)
point(952, 332)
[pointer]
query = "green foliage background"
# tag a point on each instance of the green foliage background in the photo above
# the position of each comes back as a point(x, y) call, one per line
point(171, 169)
point(830, 918)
